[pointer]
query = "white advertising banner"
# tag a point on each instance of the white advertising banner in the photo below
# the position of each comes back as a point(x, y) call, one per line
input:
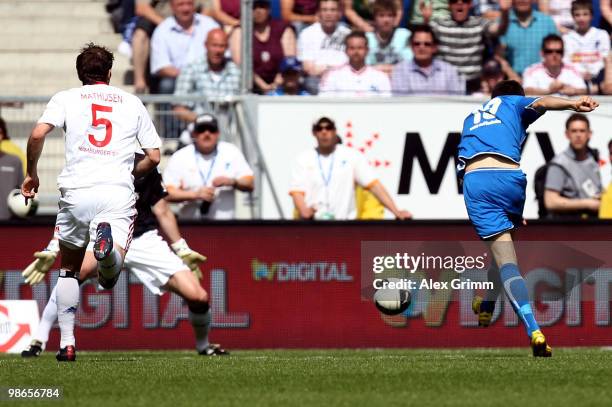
point(18, 320)
point(411, 142)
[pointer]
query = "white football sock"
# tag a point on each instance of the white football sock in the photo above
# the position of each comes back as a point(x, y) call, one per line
point(201, 327)
point(67, 298)
point(47, 319)
point(111, 265)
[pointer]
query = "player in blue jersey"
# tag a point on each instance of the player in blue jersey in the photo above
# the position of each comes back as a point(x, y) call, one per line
point(494, 189)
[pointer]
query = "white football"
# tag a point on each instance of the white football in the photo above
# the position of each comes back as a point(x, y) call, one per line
point(17, 206)
point(392, 301)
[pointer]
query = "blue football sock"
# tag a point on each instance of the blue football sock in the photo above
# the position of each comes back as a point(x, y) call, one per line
point(517, 293)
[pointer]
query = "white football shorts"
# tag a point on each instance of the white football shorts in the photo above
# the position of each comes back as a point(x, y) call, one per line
point(152, 261)
point(81, 209)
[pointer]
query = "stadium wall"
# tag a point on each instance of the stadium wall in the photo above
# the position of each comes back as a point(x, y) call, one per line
point(299, 285)
point(411, 143)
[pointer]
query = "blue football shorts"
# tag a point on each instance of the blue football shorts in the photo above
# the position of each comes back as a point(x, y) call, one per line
point(494, 198)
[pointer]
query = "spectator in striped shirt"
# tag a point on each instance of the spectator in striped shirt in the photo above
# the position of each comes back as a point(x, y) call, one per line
point(212, 76)
point(462, 37)
point(520, 45)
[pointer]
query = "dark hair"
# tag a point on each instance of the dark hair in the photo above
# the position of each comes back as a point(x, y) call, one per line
point(93, 64)
point(551, 38)
point(609, 144)
point(507, 87)
point(356, 34)
point(582, 5)
point(422, 28)
point(577, 117)
point(380, 6)
point(3, 128)
point(321, 1)
point(261, 3)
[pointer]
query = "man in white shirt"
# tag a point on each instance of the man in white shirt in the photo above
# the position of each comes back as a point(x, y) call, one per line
point(321, 45)
point(586, 47)
point(103, 125)
point(552, 76)
point(323, 179)
point(204, 175)
point(176, 41)
point(355, 78)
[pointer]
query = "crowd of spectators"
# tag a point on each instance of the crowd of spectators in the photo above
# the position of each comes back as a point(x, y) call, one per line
point(352, 48)
point(449, 47)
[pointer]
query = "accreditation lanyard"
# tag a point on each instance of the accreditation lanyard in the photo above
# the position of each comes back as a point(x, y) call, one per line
point(326, 178)
point(199, 158)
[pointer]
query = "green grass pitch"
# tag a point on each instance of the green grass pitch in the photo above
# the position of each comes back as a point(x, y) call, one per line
point(479, 378)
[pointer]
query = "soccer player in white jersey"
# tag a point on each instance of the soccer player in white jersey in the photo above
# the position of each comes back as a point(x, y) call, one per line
point(355, 78)
point(151, 261)
point(323, 179)
point(102, 125)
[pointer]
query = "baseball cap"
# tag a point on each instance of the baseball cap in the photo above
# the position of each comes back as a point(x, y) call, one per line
point(205, 122)
point(491, 68)
point(316, 126)
point(290, 64)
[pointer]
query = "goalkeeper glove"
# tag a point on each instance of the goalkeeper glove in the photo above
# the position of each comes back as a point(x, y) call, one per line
point(191, 258)
point(36, 271)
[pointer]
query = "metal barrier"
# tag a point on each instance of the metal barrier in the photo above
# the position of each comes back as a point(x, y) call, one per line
point(21, 114)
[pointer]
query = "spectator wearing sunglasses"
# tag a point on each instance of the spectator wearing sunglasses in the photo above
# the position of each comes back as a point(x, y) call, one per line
point(323, 179)
point(204, 176)
point(552, 75)
point(526, 30)
point(462, 37)
point(424, 74)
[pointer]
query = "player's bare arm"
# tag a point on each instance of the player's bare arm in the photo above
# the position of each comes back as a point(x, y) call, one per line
point(169, 227)
point(583, 104)
point(29, 188)
point(167, 220)
point(150, 161)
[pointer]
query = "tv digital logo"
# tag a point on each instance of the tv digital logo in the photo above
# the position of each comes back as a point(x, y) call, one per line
point(300, 271)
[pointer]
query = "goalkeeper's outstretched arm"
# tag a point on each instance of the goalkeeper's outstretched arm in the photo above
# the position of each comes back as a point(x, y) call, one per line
point(167, 220)
point(169, 227)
